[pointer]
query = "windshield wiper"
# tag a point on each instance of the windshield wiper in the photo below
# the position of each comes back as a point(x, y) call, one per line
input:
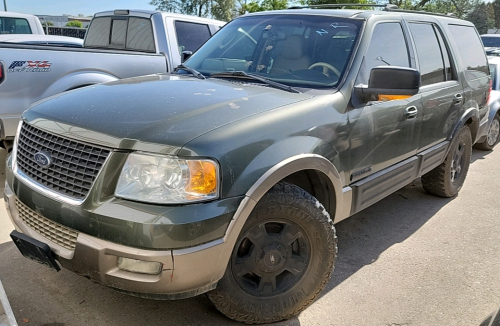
point(192, 71)
point(244, 75)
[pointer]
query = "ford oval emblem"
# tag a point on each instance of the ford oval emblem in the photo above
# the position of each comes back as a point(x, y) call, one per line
point(43, 159)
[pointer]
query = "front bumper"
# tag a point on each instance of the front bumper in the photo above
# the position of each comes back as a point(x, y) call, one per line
point(186, 272)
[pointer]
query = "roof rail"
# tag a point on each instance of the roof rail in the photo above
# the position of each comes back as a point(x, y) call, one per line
point(449, 14)
point(386, 7)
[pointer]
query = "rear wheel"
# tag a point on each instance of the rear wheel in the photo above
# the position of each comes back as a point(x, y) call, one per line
point(283, 258)
point(492, 137)
point(447, 179)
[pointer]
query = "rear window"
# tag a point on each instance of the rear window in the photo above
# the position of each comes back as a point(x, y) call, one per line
point(14, 26)
point(471, 51)
point(126, 33)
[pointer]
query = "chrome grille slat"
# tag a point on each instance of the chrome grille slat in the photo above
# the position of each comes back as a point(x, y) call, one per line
point(55, 232)
point(75, 165)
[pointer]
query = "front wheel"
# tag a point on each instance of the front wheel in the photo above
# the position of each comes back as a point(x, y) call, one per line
point(446, 179)
point(282, 260)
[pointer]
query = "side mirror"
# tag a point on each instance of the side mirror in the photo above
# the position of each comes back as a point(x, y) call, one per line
point(185, 55)
point(391, 80)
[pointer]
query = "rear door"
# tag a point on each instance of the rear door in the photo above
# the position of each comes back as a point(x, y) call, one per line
point(442, 93)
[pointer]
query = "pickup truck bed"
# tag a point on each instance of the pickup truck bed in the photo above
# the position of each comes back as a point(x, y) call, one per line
point(118, 44)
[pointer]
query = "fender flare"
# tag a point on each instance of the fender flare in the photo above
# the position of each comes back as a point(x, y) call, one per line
point(266, 182)
point(473, 114)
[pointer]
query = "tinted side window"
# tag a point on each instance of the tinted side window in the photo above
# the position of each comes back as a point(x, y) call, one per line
point(190, 36)
point(431, 59)
point(449, 71)
point(470, 50)
point(387, 47)
point(14, 26)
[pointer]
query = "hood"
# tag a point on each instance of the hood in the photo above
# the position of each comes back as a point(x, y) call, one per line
point(157, 109)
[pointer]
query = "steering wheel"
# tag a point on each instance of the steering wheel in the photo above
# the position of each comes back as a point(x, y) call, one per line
point(326, 67)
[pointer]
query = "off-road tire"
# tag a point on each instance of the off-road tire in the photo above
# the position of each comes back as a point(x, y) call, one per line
point(446, 179)
point(282, 260)
point(492, 137)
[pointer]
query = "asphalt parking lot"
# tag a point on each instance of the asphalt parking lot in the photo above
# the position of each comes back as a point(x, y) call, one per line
point(411, 259)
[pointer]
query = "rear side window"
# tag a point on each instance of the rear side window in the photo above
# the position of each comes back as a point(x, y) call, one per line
point(14, 26)
point(387, 48)
point(470, 50)
point(190, 36)
point(127, 33)
point(432, 54)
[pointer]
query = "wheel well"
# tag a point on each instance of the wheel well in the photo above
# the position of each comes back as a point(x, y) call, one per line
point(474, 128)
point(318, 185)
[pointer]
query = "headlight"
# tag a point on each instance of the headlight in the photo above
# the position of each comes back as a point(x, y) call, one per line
point(167, 180)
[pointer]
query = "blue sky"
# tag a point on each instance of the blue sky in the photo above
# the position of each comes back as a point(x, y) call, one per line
point(72, 7)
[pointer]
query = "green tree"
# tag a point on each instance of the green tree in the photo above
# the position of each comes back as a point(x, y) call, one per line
point(200, 8)
point(325, 2)
point(74, 23)
point(47, 23)
point(479, 17)
point(458, 7)
point(166, 5)
point(224, 10)
point(496, 10)
point(252, 6)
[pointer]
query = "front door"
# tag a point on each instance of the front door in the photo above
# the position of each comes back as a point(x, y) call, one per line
point(383, 132)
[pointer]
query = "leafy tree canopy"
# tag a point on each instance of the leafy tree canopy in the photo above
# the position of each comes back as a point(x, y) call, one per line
point(483, 14)
point(74, 23)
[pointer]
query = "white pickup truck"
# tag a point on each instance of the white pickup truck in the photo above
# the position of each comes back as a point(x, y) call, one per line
point(118, 44)
point(17, 23)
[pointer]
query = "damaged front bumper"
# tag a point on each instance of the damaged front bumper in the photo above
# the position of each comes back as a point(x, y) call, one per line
point(184, 273)
point(92, 239)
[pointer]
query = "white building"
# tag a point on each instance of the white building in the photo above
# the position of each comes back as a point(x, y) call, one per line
point(61, 21)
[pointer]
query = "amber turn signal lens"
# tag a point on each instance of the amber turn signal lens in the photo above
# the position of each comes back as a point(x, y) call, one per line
point(392, 97)
point(203, 177)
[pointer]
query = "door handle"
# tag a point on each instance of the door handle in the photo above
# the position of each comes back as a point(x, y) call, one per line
point(458, 98)
point(411, 112)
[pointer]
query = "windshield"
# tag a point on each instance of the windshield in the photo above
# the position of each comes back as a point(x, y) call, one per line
point(491, 41)
point(296, 50)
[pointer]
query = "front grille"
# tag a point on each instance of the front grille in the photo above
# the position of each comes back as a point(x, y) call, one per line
point(74, 168)
point(51, 230)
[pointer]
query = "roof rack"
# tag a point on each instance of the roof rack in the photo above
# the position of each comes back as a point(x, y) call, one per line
point(386, 7)
point(449, 14)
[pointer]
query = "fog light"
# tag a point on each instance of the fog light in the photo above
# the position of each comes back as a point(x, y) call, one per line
point(139, 266)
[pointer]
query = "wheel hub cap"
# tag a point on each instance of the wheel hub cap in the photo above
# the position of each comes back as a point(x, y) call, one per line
point(273, 257)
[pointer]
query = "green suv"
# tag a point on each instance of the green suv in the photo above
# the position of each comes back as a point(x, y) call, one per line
point(227, 176)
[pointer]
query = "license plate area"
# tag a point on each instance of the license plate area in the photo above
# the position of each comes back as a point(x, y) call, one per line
point(34, 250)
